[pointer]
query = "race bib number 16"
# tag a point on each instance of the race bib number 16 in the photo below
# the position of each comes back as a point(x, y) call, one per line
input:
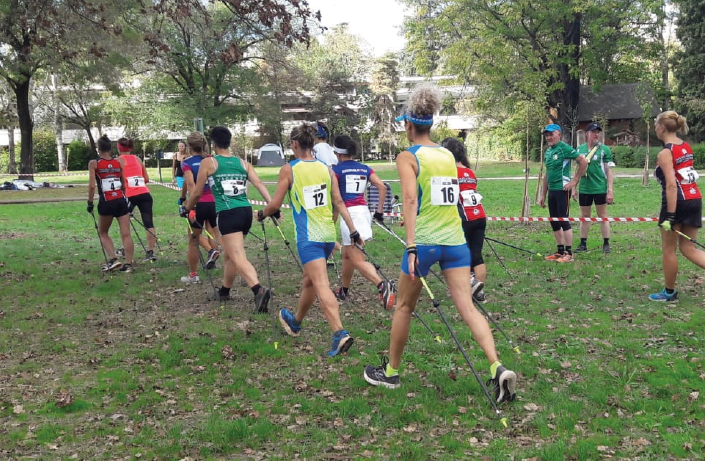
point(444, 190)
point(315, 196)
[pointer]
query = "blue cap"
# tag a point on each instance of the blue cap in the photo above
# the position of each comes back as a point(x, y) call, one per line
point(593, 127)
point(416, 119)
point(551, 128)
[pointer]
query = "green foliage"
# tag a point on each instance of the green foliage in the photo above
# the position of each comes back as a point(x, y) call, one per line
point(634, 157)
point(690, 70)
point(45, 154)
point(79, 154)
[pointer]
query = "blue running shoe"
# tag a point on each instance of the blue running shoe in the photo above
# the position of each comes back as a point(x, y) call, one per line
point(341, 343)
point(664, 297)
point(288, 321)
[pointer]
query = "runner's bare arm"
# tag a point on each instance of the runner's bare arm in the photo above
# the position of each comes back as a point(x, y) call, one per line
point(91, 179)
point(257, 182)
point(407, 168)
point(665, 161)
point(282, 187)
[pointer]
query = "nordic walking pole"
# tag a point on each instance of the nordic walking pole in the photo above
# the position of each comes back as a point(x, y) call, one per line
point(689, 238)
point(286, 242)
point(269, 282)
point(105, 255)
point(156, 239)
point(437, 305)
point(498, 258)
point(200, 258)
point(134, 228)
point(494, 322)
point(515, 247)
point(379, 271)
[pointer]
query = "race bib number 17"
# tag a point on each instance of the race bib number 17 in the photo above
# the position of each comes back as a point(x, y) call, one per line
point(444, 190)
point(315, 196)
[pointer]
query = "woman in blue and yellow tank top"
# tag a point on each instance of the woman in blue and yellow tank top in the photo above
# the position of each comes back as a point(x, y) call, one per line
point(434, 233)
point(312, 191)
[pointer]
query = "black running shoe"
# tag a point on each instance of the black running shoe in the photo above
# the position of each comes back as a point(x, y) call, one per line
point(340, 294)
point(126, 268)
point(606, 249)
point(213, 256)
point(150, 256)
point(120, 252)
point(377, 376)
point(112, 264)
point(388, 295)
point(262, 300)
point(504, 384)
point(580, 249)
point(476, 286)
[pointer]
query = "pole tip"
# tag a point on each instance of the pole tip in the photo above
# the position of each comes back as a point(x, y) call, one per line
point(504, 421)
point(438, 338)
point(516, 349)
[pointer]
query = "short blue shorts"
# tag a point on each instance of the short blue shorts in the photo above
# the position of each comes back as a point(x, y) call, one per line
point(180, 181)
point(448, 257)
point(310, 251)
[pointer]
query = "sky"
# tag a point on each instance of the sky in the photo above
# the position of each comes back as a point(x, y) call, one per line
point(376, 21)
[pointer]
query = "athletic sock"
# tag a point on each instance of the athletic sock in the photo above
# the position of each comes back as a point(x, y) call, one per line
point(569, 249)
point(583, 242)
point(606, 241)
point(493, 368)
point(561, 249)
point(255, 289)
point(670, 291)
point(224, 291)
point(389, 371)
point(192, 274)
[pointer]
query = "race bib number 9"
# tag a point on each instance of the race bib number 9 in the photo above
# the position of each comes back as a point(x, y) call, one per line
point(315, 196)
point(355, 184)
point(233, 187)
point(689, 175)
point(471, 198)
point(444, 190)
point(135, 181)
point(109, 184)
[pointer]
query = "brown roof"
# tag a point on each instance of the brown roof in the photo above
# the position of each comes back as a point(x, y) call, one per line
point(616, 102)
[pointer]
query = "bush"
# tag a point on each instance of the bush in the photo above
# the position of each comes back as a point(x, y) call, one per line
point(45, 154)
point(698, 156)
point(152, 163)
point(634, 157)
point(79, 154)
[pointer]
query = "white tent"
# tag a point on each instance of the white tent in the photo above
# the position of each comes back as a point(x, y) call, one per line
point(270, 155)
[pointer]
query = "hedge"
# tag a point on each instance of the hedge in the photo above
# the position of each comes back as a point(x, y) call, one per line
point(633, 157)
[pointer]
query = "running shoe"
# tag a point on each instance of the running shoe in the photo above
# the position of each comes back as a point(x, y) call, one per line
point(341, 343)
point(580, 249)
point(213, 256)
point(388, 295)
point(112, 264)
point(477, 287)
point(340, 294)
point(126, 268)
point(288, 321)
point(664, 297)
point(553, 257)
point(120, 252)
point(377, 376)
point(262, 300)
point(189, 279)
point(504, 384)
point(606, 249)
point(566, 258)
point(150, 256)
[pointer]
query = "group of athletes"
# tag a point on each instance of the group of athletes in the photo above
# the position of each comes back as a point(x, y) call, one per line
point(444, 218)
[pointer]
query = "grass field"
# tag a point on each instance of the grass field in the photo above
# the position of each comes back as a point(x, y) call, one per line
point(155, 371)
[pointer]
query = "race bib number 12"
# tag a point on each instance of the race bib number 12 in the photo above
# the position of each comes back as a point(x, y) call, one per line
point(444, 190)
point(315, 196)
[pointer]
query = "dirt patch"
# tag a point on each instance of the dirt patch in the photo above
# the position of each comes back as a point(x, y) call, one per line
point(12, 235)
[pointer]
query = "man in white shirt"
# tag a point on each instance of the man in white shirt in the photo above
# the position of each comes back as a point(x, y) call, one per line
point(322, 150)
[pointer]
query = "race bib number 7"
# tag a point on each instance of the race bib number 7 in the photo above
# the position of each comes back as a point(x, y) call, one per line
point(444, 190)
point(355, 184)
point(233, 187)
point(109, 184)
point(689, 175)
point(135, 181)
point(471, 198)
point(315, 196)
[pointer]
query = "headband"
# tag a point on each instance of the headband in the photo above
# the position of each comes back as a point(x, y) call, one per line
point(122, 148)
point(338, 150)
point(416, 119)
point(320, 132)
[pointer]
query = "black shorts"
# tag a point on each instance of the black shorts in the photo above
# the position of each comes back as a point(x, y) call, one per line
point(688, 212)
point(235, 220)
point(205, 212)
point(144, 202)
point(475, 237)
point(559, 207)
point(115, 208)
point(589, 199)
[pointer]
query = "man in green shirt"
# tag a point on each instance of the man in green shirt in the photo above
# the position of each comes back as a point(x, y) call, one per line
point(557, 185)
point(595, 186)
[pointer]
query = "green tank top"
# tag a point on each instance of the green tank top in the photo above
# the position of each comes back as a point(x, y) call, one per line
point(311, 200)
point(229, 184)
point(437, 220)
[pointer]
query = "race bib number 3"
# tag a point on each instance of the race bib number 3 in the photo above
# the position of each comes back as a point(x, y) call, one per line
point(233, 187)
point(689, 175)
point(135, 181)
point(315, 196)
point(471, 198)
point(444, 190)
point(355, 184)
point(109, 184)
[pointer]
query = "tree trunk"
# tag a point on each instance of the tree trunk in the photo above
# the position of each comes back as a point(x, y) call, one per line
point(91, 140)
point(58, 125)
point(24, 114)
point(12, 167)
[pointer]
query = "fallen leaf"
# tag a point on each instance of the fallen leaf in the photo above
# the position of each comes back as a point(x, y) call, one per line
point(531, 407)
point(227, 352)
point(693, 396)
point(566, 364)
point(18, 409)
point(63, 398)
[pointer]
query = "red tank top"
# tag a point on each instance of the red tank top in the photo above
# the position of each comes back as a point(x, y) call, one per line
point(108, 177)
point(470, 201)
point(134, 181)
point(686, 176)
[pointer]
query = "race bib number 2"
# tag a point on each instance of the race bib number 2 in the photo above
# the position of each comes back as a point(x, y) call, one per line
point(355, 184)
point(109, 184)
point(315, 196)
point(444, 190)
point(689, 175)
point(135, 181)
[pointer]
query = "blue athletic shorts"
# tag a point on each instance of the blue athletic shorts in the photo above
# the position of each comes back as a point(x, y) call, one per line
point(180, 181)
point(448, 257)
point(310, 251)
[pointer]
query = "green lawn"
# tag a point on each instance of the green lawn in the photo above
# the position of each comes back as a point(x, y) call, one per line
point(155, 371)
